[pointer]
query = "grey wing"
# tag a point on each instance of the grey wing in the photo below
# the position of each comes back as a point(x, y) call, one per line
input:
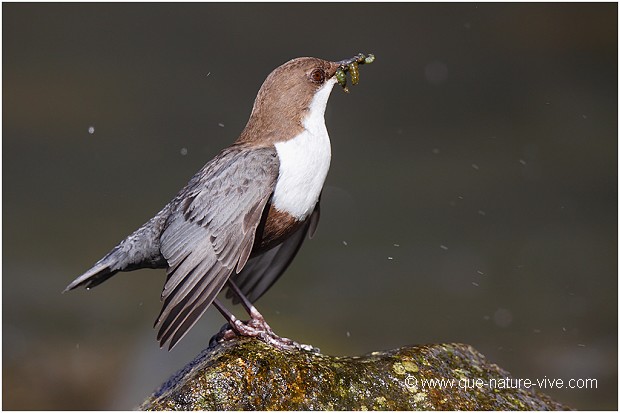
point(211, 234)
point(263, 270)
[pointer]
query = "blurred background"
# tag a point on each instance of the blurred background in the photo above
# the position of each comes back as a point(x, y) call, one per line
point(472, 195)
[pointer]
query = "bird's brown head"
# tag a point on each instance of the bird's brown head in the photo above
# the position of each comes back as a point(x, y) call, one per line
point(284, 99)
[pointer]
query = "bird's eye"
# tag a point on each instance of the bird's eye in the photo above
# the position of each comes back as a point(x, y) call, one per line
point(317, 76)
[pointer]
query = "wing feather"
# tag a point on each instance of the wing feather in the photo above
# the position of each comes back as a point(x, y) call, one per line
point(211, 233)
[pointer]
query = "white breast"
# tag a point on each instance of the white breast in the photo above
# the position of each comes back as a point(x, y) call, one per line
point(304, 161)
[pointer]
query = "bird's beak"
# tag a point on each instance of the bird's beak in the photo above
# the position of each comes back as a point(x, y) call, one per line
point(359, 58)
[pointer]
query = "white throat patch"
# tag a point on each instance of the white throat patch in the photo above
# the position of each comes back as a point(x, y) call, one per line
point(304, 160)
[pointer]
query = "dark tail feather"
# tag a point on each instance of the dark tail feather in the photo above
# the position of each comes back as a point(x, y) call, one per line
point(93, 277)
point(139, 250)
point(106, 267)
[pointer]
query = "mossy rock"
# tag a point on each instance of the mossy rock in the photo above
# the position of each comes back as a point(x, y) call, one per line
point(247, 374)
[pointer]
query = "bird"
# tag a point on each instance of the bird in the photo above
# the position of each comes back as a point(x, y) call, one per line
point(241, 219)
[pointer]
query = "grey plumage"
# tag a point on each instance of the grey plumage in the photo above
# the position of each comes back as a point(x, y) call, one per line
point(205, 235)
point(138, 250)
point(211, 233)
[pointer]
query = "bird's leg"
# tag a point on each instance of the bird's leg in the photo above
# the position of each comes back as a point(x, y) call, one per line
point(256, 318)
point(255, 327)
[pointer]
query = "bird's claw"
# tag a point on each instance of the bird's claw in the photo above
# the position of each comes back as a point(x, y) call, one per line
point(259, 329)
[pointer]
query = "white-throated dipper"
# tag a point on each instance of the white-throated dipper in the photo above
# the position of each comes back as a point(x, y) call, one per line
point(242, 218)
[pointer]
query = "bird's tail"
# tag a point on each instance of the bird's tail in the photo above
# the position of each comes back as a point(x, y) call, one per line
point(139, 250)
point(101, 271)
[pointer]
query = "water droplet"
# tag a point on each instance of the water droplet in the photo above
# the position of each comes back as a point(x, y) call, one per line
point(183, 151)
point(502, 317)
point(91, 130)
point(436, 72)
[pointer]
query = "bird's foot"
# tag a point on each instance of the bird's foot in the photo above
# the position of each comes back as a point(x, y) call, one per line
point(258, 328)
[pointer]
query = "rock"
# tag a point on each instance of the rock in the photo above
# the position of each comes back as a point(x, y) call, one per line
point(247, 374)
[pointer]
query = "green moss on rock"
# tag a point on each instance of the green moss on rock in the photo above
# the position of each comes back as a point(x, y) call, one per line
point(247, 374)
